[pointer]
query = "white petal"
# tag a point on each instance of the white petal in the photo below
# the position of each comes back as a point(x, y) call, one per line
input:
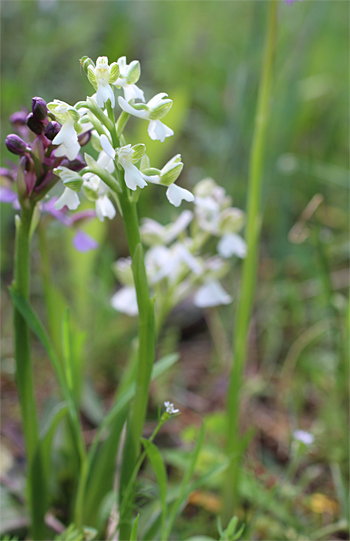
point(104, 208)
point(107, 147)
point(129, 109)
point(125, 301)
point(67, 135)
point(156, 100)
point(106, 162)
point(178, 226)
point(133, 92)
point(72, 152)
point(103, 94)
point(211, 294)
point(175, 194)
point(159, 131)
point(69, 199)
point(133, 177)
point(232, 244)
point(189, 259)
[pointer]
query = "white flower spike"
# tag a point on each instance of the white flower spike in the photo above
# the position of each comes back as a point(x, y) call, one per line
point(169, 408)
point(155, 109)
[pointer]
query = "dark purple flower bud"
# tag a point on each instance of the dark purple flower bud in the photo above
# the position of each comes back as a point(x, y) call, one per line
point(16, 145)
point(84, 138)
point(39, 108)
point(19, 118)
point(52, 130)
point(35, 125)
point(76, 165)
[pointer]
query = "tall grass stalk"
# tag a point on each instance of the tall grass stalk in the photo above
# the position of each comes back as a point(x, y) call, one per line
point(249, 266)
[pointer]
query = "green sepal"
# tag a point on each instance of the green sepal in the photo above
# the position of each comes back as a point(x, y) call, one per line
point(74, 114)
point(96, 143)
point(140, 106)
point(139, 152)
point(145, 163)
point(91, 194)
point(74, 184)
point(134, 72)
point(172, 174)
point(85, 61)
point(150, 171)
point(92, 77)
point(159, 112)
point(114, 73)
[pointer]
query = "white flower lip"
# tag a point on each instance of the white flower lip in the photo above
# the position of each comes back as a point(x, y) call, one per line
point(69, 199)
point(175, 195)
point(211, 294)
point(232, 244)
point(125, 301)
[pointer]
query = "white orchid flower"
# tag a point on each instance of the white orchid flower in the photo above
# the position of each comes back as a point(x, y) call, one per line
point(99, 190)
point(125, 301)
point(153, 111)
point(232, 244)
point(167, 177)
point(304, 437)
point(129, 74)
point(67, 137)
point(133, 177)
point(153, 232)
point(100, 77)
point(211, 294)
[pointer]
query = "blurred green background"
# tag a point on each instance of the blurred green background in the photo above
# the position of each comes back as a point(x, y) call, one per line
point(207, 56)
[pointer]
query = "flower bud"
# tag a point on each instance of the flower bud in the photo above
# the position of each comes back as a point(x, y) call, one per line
point(84, 138)
point(35, 125)
point(16, 145)
point(86, 62)
point(39, 108)
point(75, 165)
point(19, 118)
point(51, 130)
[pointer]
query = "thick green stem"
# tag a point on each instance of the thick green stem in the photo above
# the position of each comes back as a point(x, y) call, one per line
point(249, 265)
point(24, 369)
point(146, 340)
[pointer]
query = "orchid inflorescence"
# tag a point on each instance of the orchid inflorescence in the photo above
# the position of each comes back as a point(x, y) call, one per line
point(178, 261)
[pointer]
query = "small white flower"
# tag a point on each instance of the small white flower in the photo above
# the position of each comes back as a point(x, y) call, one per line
point(232, 244)
point(102, 74)
point(157, 106)
point(125, 301)
point(103, 205)
point(211, 294)
point(69, 199)
point(67, 137)
point(128, 75)
point(153, 232)
point(104, 208)
point(303, 437)
point(133, 177)
point(169, 408)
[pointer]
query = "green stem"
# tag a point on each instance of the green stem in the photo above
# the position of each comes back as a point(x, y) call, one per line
point(24, 369)
point(146, 339)
point(249, 265)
